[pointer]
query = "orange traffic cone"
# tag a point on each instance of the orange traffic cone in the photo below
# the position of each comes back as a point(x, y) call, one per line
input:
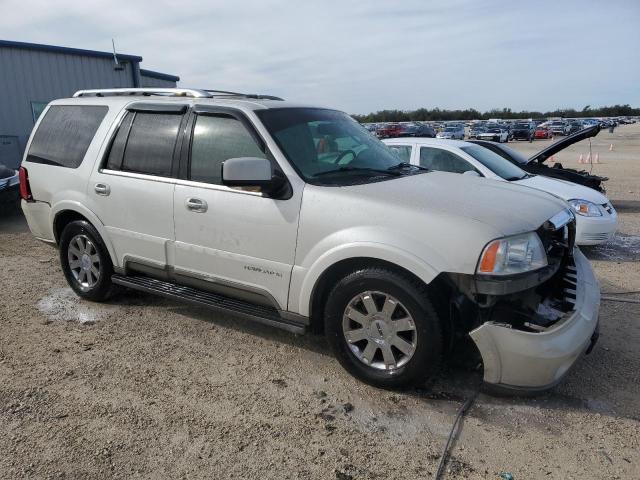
point(580, 159)
point(596, 158)
point(611, 147)
point(588, 160)
point(550, 158)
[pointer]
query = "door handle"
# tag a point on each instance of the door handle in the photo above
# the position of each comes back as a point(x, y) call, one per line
point(102, 189)
point(196, 205)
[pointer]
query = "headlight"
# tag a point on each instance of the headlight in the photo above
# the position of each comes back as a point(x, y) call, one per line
point(511, 255)
point(585, 208)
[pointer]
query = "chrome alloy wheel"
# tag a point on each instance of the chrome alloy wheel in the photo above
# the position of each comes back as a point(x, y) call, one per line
point(84, 261)
point(379, 330)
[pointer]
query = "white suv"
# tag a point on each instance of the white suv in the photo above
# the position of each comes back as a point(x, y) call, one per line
point(299, 218)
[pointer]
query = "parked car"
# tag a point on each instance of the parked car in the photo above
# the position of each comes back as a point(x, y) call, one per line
point(416, 130)
point(523, 131)
point(535, 163)
point(559, 127)
point(575, 126)
point(475, 130)
point(496, 134)
point(388, 130)
point(9, 194)
point(596, 219)
point(543, 133)
point(452, 132)
point(198, 196)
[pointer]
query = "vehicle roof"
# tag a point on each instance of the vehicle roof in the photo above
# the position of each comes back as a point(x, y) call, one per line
point(428, 141)
point(243, 103)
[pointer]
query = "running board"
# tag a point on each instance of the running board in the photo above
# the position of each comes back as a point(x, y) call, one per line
point(266, 315)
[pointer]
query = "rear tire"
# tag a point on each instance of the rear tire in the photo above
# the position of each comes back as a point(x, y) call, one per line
point(383, 328)
point(85, 261)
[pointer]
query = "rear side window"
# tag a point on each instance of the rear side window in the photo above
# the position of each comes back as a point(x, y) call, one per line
point(64, 134)
point(151, 143)
point(217, 138)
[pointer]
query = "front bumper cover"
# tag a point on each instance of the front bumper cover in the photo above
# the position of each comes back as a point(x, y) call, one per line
point(535, 361)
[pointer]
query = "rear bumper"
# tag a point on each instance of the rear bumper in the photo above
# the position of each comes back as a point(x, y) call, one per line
point(516, 360)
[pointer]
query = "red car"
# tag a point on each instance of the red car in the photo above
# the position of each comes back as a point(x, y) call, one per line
point(389, 131)
point(543, 132)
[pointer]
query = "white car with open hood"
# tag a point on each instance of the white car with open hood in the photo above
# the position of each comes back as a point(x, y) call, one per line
point(297, 217)
point(596, 219)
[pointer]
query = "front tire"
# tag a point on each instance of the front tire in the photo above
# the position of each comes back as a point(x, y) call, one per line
point(86, 262)
point(383, 328)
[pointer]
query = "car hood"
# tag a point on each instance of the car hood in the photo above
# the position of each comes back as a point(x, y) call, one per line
point(483, 200)
point(542, 155)
point(563, 189)
point(444, 219)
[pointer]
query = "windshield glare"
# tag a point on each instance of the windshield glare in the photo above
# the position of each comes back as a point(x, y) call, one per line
point(316, 141)
point(494, 162)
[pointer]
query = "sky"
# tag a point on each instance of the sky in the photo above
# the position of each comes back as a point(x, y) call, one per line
point(364, 56)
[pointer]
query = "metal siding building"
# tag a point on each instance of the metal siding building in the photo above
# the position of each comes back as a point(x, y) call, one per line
point(31, 75)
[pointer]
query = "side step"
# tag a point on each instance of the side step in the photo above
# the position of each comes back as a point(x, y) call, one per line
point(267, 315)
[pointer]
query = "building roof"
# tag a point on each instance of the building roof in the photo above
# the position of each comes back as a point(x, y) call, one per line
point(158, 75)
point(67, 50)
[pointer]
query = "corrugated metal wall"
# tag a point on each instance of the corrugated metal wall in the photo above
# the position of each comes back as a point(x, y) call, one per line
point(28, 76)
point(146, 81)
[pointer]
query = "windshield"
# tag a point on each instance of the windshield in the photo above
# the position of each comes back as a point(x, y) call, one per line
point(521, 125)
point(451, 129)
point(494, 162)
point(327, 145)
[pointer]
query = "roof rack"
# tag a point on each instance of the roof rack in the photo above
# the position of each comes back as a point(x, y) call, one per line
point(170, 92)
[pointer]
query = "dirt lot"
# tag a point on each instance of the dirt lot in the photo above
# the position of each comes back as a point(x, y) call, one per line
point(148, 388)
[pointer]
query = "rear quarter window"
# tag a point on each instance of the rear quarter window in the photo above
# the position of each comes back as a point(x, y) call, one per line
point(64, 134)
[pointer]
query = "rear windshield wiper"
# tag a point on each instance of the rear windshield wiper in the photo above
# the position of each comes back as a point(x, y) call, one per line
point(403, 165)
point(365, 170)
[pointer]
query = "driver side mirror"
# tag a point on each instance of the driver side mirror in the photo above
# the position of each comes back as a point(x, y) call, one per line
point(255, 172)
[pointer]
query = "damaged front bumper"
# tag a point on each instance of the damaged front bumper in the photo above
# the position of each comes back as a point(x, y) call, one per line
point(537, 360)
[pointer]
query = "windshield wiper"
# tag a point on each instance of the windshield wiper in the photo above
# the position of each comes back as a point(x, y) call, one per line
point(403, 165)
point(358, 169)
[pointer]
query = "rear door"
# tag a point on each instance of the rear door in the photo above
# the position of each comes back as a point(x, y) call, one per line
point(232, 240)
point(132, 191)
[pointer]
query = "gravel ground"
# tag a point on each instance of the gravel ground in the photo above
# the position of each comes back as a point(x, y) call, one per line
point(143, 387)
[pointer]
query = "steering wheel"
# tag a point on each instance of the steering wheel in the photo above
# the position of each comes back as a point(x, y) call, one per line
point(344, 154)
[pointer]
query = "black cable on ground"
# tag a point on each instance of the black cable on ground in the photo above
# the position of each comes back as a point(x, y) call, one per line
point(453, 433)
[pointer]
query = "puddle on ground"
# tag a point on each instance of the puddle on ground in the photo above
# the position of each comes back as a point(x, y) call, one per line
point(63, 304)
point(621, 248)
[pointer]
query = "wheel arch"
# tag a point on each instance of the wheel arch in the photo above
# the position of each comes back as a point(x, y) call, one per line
point(67, 212)
point(340, 269)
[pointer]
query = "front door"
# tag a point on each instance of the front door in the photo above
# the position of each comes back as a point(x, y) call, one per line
point(233, 240)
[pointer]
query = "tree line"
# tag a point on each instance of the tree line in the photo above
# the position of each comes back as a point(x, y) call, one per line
point(423, 114)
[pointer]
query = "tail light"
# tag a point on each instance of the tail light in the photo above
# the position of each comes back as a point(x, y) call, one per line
point(25, 188)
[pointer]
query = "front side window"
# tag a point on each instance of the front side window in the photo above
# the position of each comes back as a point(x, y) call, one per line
point(403, 152)
point(151, 143)
point(494, 162)
point(327, 146)
point(444, 161)
point(64, 134)
point(217, 138)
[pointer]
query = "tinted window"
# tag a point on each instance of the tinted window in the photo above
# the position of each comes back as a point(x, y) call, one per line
point(443, 161)
point(64, 135)
point(403, 151)
point(216, 139)
point(151, 143)
point(114, 161)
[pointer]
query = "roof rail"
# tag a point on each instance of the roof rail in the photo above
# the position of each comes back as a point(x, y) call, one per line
point(169, 92)
point(256, 96)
